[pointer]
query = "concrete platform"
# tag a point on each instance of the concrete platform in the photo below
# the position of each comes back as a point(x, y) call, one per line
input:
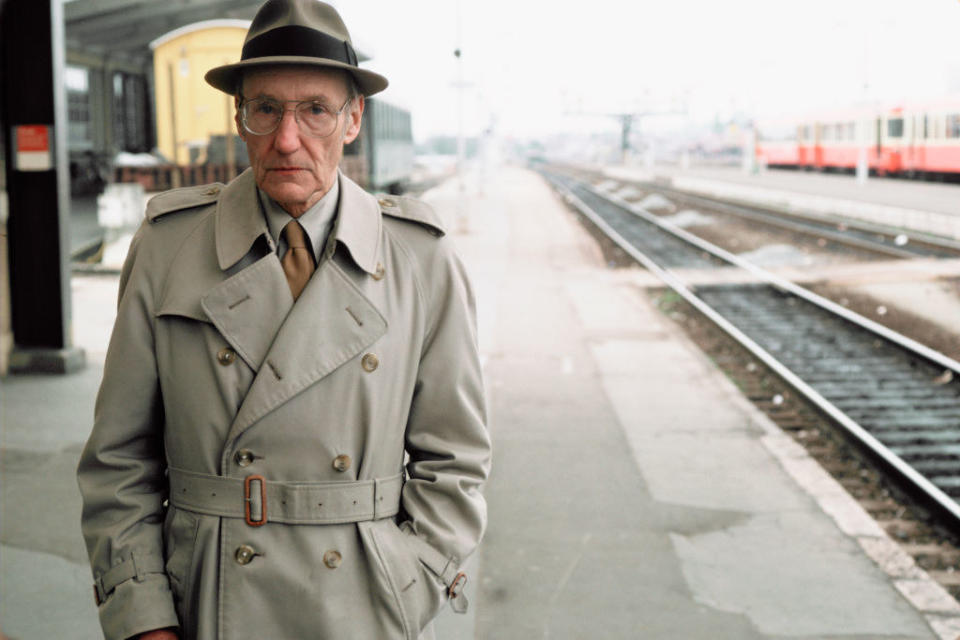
point(634, 493)
point(926, 207)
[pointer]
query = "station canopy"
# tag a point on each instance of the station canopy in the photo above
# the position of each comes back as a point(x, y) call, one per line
point(129, 26)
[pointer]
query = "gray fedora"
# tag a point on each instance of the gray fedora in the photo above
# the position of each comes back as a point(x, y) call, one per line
point(298, 32)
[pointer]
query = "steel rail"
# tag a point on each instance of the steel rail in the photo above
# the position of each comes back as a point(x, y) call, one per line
point(786, 285)
point(944, 505)
point(773, 215)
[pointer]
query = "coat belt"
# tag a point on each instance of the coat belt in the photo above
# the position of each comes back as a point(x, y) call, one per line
point(259, 500)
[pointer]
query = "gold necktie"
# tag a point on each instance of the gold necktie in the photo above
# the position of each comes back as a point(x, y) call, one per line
point(297, 261)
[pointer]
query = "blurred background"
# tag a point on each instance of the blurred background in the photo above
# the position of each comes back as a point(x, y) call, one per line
point(642, 83)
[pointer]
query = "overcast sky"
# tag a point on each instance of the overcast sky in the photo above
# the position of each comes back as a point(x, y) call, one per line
point(536, 66)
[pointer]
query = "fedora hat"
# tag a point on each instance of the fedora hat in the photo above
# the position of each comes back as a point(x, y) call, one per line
point(297, 32)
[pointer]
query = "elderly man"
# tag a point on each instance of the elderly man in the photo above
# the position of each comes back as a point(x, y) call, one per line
point(289, 439)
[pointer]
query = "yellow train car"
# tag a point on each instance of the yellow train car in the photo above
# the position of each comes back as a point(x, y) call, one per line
point(189, 112)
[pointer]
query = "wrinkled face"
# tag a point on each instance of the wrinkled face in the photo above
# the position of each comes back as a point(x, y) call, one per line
point(293, 168)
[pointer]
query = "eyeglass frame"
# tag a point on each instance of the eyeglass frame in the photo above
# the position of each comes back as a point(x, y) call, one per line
point(296, 116)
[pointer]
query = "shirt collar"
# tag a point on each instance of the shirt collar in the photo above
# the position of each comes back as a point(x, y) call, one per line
point(240, 222)
point(316, 221)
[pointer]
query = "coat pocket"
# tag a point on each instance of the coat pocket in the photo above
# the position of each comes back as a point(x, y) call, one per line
point(179, 540)
point(418, 591)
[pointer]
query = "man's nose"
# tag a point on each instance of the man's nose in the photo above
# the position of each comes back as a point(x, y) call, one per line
point(287, 135)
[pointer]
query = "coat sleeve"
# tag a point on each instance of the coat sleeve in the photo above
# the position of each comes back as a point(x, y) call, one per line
point(121, 470)
point(446, 438)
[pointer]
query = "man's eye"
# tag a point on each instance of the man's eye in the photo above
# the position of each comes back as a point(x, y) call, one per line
point(316, 109)
point(266, 108)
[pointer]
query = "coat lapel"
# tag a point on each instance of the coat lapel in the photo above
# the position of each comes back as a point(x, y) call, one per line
point(250, 307)
point(330, 323)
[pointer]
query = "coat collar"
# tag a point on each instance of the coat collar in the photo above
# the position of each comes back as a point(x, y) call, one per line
point(240, 222)
point(239, 219)
point(358, 225)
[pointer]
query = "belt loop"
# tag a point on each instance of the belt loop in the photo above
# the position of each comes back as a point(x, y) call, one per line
point(247, 500)
point(377, 498)
point(138, 571)
point(99, 593)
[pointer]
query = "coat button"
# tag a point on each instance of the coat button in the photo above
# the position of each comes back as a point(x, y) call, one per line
point(244, 457)
point(369, 362)
point(341, 463)
point(226, 356)
point(378, 273)
point(387, 202)
point(332, 559)
point(244, 554)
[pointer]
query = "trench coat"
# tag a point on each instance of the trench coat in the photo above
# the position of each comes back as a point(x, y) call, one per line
point(260, 467)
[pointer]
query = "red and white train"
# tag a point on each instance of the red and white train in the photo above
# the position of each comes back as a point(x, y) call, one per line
point(916, 140)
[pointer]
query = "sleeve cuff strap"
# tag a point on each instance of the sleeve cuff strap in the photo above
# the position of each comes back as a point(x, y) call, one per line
point(138, 565)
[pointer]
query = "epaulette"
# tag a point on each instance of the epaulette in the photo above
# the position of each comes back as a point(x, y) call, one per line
point(182, 199)
point(413, 210)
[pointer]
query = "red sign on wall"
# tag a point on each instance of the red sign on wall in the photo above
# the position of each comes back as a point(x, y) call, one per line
point(33, 137)
point(33, 152)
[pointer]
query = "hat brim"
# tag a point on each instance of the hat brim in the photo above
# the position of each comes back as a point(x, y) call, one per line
point(227, 78)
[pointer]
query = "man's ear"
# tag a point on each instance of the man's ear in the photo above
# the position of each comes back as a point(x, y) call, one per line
point(351, 128)
point(236, 118)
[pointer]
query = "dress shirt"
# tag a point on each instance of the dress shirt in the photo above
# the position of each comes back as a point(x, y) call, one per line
point(317, 221)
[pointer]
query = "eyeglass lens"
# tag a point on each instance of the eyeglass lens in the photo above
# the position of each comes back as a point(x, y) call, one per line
point(263, 115)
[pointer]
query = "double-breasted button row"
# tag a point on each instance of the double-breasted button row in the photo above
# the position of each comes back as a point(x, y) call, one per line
point(226, 356)
point(245, 554)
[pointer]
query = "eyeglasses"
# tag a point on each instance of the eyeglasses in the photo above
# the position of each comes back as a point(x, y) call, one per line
point(262, 116)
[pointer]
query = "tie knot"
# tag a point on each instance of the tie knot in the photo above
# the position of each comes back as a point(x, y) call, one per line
point(295, 236)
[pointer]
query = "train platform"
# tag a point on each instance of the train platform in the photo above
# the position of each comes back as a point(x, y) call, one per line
point(927, 207)
point(635, 492)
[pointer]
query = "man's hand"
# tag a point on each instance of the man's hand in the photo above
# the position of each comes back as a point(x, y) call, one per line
point(160, 634)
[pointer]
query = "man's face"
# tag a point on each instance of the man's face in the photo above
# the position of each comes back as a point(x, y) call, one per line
point(293, 168)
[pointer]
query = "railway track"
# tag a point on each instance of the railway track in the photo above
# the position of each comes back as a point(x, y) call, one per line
point(892, 243)
point(895, 399)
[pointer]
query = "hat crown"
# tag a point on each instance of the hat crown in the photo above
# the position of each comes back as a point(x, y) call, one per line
point(296, 32)
point(312, 14)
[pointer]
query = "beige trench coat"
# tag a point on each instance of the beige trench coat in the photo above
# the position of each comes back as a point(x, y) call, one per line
point(214, 376)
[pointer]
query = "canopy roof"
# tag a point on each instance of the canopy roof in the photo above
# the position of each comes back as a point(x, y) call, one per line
point(129, 26)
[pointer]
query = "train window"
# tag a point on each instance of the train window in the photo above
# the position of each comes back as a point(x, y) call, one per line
point(925, 126)
point(77, 84)
point(851, 130)
point(953, 125)
point(895, 128)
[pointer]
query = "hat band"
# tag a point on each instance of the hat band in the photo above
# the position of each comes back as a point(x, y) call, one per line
point(296, 40)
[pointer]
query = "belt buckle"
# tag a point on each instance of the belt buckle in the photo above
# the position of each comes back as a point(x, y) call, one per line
point(247, 500)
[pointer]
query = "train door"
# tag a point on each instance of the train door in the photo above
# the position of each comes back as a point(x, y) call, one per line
point(923, 132)
point(895, 140)
point(802, 142)
point(878, 144)
point(818, 146)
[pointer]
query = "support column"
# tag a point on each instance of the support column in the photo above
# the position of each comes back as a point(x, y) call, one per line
point(37, 171)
